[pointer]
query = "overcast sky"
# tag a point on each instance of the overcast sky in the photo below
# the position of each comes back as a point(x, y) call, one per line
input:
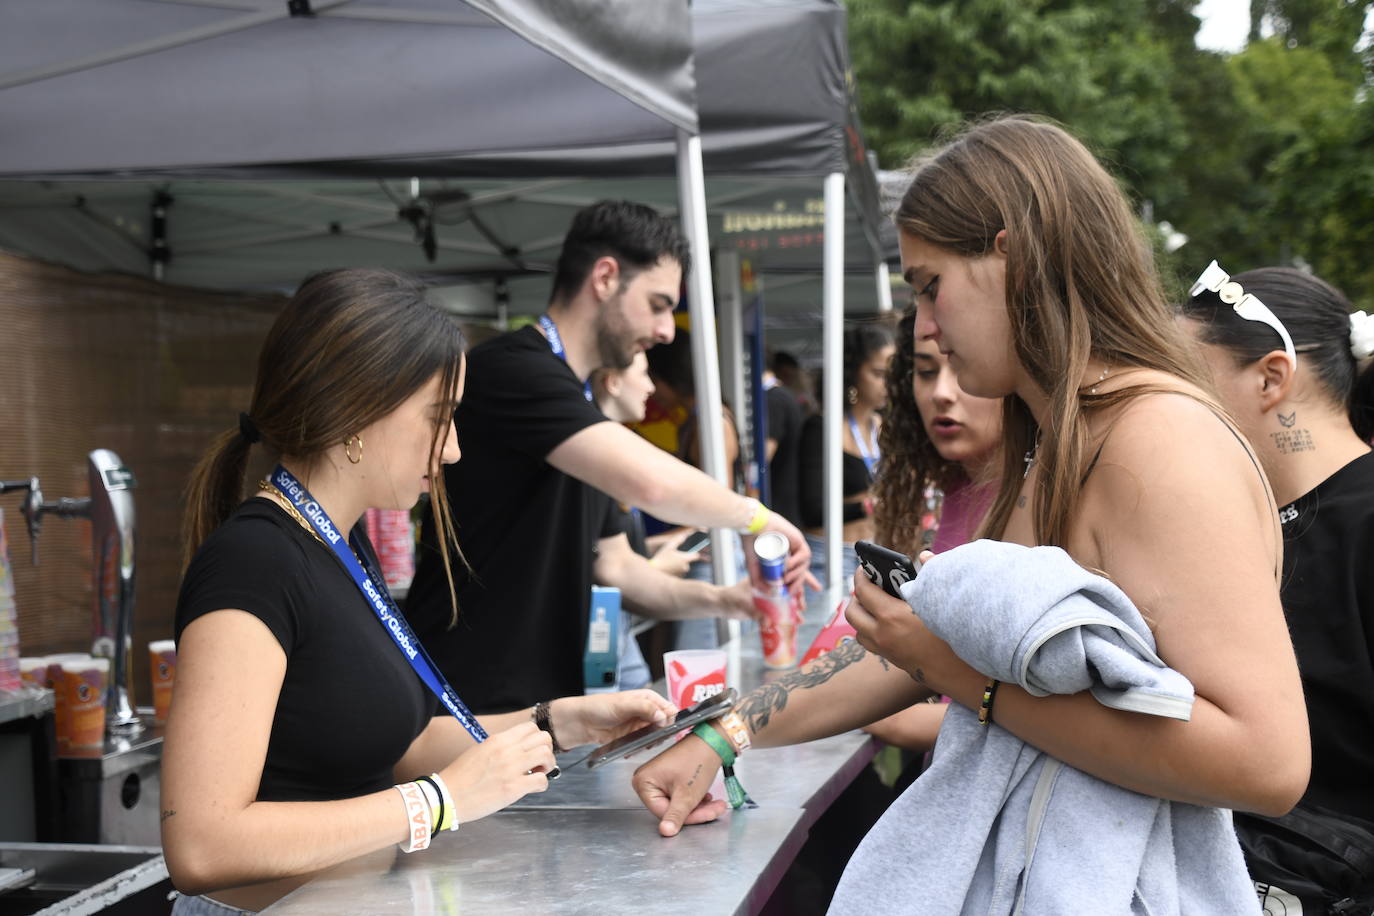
point(1225, 24)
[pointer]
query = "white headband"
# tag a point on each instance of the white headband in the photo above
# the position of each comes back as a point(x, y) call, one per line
point(1361, 334)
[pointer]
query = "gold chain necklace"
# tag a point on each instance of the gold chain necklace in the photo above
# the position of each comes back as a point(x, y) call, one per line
point(280, 499)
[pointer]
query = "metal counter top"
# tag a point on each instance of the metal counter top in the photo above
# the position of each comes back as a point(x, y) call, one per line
point(119, 754)
point(567, 862)
point(26, 701)
point(808, 776)
point(587, 845)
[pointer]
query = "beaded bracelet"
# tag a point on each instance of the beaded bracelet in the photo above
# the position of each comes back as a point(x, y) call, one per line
point(989, 694)
point(543, 718)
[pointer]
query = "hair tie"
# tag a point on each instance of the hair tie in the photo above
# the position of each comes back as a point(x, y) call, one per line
point(1361, 334)
point(248, 429)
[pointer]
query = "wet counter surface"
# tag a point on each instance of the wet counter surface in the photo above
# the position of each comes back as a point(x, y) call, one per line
point(587, 845)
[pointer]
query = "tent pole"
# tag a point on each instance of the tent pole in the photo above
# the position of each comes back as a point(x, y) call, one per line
point(884, 287)
point(705, 361)
point(731, 333)
point(832, 407)
point(734, 390)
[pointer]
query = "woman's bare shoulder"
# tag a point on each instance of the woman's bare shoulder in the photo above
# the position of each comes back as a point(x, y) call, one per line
point(1174, 449)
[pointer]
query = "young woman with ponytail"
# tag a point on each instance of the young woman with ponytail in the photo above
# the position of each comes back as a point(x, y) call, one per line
point(1033, 278)
point(1304, 396)
point(299, 712)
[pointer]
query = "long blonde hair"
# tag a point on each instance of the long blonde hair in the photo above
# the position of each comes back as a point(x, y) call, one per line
point(1080, 285)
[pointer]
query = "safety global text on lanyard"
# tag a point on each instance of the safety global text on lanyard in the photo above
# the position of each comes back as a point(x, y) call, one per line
point(379, 599)
point(870, 457)
point(556, 345)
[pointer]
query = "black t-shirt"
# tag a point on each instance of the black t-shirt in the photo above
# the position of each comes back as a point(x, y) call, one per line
point(784, 427)
point(854, 477)
point(350, 704)
point(526, 528)
point(1328, 599)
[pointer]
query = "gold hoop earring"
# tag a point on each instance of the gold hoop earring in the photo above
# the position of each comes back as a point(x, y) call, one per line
point(348, 448)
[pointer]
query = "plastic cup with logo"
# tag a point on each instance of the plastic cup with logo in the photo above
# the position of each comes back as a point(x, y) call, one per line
point(162, 663)
point(779, 616)
point(86, 682)
point(835, 632)
point(694, 675)
point(33, 671)
point(57, 683)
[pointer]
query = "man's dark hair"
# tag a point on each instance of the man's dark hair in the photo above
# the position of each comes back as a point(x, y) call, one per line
point(638, 237)
point(782, 361)
point(671, 364)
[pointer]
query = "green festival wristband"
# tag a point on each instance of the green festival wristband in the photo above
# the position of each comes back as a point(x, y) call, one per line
point(734, 792)
point(722, 747)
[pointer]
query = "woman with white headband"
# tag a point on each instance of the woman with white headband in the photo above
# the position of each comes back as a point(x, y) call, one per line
point(1291, 363)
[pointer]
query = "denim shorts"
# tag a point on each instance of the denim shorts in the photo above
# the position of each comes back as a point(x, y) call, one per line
point(203, 906)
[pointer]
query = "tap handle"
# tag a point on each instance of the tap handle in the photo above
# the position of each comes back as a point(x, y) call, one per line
point(70, 507)
point(7, 485)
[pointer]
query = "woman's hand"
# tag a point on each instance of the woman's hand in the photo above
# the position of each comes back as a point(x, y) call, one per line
point(737, 601)
point(667, 558)
point(888, 627)
point(604, 717)
point(506, 767)
point(673, 786)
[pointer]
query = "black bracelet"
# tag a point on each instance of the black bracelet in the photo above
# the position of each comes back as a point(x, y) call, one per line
point(985, 708)
point(439, 815)
point(543, 718)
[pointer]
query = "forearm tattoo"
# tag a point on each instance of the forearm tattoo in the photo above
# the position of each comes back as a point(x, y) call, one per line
point(757, 708)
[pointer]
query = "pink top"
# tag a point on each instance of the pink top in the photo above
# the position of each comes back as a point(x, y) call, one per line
point(963, 508)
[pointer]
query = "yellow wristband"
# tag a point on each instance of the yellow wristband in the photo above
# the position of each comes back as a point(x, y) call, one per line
point(760, 519)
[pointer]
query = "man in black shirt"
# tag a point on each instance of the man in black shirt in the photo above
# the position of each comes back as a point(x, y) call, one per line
point(535, 451)
point(783, 445)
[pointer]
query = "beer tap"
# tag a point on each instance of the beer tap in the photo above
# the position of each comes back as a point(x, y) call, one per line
point(33, 509)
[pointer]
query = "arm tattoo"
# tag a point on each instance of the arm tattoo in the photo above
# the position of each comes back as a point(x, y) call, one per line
point(165, 815)
point(758, 707)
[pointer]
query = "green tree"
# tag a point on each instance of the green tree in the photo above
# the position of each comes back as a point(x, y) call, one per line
point(1262, 157)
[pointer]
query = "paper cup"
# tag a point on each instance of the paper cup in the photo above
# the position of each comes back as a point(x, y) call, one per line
point(85, 683)
point(56, 682)
point(33, 671)
point(694, 675)
point(162, 663)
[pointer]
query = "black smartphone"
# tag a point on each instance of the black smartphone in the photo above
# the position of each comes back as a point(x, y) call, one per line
point(649, 735)
point(695, 541)
point(886, 567)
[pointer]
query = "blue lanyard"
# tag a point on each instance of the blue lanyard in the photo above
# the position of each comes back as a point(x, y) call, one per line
point(556, 345)
point(379, 599)
point(870, 458)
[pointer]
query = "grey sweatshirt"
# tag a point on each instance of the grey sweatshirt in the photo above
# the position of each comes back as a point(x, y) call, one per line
point(995, 826)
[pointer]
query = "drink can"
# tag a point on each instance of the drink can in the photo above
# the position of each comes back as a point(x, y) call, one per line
point(778, 612)
point(771, 550)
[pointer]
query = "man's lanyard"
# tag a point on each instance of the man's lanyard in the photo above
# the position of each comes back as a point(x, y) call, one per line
point(379, 599)
point(556, 345)
point(868, 451)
